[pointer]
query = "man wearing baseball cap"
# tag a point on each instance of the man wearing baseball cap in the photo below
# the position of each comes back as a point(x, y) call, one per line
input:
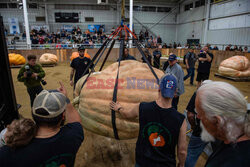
point(78, 66)
point(53, 145)
point(162, 128)
point(175, 69)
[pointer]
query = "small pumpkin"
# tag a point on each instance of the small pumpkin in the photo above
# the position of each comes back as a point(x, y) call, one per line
point(16, 59)
point(136, 84)
point(76, 54)
point(48, 58)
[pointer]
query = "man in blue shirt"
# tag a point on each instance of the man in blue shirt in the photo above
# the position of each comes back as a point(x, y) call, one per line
point(175, 68)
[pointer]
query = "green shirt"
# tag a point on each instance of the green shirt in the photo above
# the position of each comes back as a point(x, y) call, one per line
point(31, 82)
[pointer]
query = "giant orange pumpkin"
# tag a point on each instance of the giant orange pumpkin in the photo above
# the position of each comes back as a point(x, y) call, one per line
point(48, 58)
point(236, 66)
point(76, 54)
point(136, 84)
point(16, 59)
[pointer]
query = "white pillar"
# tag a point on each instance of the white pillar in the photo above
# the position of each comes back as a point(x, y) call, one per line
point(206, 22)
point(46, 14)
point(131, 21)
point(26, 23)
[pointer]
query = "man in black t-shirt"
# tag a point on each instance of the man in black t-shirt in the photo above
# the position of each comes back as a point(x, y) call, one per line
point(222, 110)
point(205, 61)
point(79, 65)
point(162, 127)
point(53, 145)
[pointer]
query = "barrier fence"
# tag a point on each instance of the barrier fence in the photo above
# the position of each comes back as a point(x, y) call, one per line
point(64, 54)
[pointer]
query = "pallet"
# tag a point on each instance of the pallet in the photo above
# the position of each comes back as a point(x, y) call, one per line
point(16, 66)
point(48, 65)
point(243, 79)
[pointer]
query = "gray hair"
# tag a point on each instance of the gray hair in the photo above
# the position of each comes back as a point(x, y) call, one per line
point(224, 100)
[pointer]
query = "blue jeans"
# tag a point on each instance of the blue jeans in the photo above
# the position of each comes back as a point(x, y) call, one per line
point(195, 148)
point(190, 73)
point(33, 92)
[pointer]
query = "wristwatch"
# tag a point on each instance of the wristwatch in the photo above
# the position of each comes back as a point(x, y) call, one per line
point(67, 100)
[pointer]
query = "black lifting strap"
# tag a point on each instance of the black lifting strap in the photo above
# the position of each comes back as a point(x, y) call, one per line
point(144, 57)
point(90, 65)
point(113, 117)
point(107, 55)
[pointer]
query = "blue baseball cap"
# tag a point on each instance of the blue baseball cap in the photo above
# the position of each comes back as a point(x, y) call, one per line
point(172, 57)
point(168, 85)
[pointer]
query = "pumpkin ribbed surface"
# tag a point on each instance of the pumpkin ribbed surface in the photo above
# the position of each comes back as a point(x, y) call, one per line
point(236, 66)
point(16, 59)
point(136, 84)
point(48, 58)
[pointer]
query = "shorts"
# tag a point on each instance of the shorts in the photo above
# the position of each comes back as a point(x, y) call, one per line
point(202, 76)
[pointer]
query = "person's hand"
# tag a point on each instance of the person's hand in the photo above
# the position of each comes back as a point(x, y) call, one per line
point(34, 75)
point(71, 83)
point(62, 89)
point(25, 74)
point(115, 106)
point(187, 67)
point(178, 165)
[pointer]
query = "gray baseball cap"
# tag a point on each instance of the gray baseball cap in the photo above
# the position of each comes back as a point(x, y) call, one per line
point(52, 102)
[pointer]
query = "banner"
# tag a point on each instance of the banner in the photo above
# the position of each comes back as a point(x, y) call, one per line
point(97, 27)
point(14, 26)
point(39, 27)
point(68, 28)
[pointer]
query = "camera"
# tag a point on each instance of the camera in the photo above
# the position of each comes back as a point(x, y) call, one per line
point(29, 74)
point(43, 82)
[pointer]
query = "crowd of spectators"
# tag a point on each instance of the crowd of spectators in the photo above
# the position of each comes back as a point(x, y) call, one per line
point(236, 48)
point(63, 38)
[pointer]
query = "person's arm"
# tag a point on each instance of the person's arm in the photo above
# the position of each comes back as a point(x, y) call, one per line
point(131, 112)
point(182, 145)
point(21, 75)
point(191, 119)
point(71, 76)
point(41, 74)
point(71, 114)
point(186, 60)
point(209, 59)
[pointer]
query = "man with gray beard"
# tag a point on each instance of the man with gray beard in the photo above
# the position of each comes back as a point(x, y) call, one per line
point(222, 110)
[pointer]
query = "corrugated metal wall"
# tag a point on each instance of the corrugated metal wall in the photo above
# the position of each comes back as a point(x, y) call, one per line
point(229, 23)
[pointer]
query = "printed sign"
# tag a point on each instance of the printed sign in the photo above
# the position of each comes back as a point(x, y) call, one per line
point(14, 26)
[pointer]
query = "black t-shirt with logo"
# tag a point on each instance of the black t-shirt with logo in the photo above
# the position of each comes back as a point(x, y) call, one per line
point(79, 64)
point(158, 135)
point(204, 66)
point(58, 150)
point(231, 155)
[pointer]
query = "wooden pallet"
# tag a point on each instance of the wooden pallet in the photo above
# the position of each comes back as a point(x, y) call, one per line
point(16, 66)
point(48, 65)
point(243, 79)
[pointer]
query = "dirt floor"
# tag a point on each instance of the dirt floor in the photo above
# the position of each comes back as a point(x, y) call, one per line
point(96, 150)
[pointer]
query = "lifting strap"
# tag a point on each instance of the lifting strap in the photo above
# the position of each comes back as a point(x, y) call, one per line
point(113, 117)
point(144, 57)
point(107, 55)
point(90, 65)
